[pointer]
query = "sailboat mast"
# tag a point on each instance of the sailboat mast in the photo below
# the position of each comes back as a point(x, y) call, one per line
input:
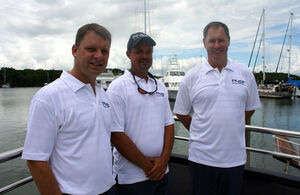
point(263, 54)
point(286, 31)
point(4, 75)
point(290, 48)
point(145, 17)
point(256, 37)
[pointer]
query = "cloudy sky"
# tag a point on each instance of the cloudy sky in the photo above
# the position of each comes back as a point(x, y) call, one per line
point(39, 33)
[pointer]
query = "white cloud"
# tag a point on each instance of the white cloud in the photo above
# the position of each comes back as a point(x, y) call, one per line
point(39, 34)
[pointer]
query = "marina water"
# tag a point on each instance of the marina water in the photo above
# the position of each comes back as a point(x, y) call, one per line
point(14, 106)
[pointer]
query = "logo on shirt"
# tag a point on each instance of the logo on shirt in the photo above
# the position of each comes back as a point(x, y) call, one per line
point(160, 94)
point(105, 104)
point(241, 82)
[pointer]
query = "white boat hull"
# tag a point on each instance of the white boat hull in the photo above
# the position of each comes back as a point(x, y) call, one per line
point(270, 94)
point(297, 92)
point(5, 86)
point(172, 94)
point(275, 91)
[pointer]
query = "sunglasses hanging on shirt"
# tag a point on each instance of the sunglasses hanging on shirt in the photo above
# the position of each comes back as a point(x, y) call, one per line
point(142, 91)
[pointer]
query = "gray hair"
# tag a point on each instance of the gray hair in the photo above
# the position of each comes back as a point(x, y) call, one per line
point(216, 24)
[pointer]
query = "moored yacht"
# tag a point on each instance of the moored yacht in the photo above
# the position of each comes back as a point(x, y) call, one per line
point(5, 84)
point(105, 78)
point(280, 90)
point(296, 84)
point(173, 77)
point(297, 91)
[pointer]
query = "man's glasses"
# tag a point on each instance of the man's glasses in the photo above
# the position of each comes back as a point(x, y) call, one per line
point(142, 91)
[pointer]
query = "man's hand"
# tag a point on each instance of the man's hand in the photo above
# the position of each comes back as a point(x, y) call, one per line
point(159, 168)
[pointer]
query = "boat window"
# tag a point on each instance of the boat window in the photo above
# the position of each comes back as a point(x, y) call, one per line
point(177, 73)
point(167, 84)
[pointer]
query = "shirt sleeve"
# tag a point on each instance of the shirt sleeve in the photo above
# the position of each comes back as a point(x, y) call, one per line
point(117, 111)
point(42, 131)
point(253, 101)
point(183, 103)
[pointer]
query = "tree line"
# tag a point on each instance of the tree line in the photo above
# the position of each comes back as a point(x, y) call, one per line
point(38, 78)
point(33, 78)
point(272, 77)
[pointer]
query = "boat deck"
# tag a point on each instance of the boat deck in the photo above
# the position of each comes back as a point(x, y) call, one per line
point(256, 181)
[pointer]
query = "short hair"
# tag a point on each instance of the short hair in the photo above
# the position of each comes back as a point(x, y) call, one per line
point(216, 24)
point(98, 29)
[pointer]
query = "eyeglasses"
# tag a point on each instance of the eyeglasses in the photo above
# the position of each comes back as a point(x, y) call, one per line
point(142, 91)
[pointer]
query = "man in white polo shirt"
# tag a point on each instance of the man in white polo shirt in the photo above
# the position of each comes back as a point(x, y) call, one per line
point(142, 124)
point(68, 134)
point(223, 94)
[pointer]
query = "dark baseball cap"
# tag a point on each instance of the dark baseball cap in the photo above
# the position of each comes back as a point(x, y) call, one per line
point(136, 38)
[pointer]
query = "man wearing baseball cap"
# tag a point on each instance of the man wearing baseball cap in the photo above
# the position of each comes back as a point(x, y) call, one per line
point(142, 124)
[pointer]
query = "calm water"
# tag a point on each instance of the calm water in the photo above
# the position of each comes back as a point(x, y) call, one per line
point(14, 105)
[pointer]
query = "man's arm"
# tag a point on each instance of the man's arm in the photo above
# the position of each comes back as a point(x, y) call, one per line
point(185, 120)
point(248, 115)
point(161, 163)
point(44, 177)
point(129, 150)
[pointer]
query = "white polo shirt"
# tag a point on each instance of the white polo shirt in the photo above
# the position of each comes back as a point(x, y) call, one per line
point(142, 118)
point(219, 101)
point(70, 127)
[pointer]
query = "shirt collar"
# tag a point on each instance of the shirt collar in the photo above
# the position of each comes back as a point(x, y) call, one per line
point(229, 65)
point(207, 67)
point(74, 83)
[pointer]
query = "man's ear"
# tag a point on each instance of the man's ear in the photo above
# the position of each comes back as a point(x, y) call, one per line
point(74, 50)
point(128, 53)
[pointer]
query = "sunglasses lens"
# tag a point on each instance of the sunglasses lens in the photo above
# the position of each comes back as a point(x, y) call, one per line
point(142, 91)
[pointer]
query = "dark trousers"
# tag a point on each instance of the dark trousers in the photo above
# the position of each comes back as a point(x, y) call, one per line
point(111, 191)
point(147, 187)
point(207, 180)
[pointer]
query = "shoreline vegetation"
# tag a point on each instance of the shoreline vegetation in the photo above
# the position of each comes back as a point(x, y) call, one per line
point(40, 77)
point(34, 78)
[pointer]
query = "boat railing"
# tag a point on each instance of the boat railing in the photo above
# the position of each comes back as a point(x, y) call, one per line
point(282, 144)
point(12, 154)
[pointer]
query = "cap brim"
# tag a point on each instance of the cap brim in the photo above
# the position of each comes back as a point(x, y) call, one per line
point(144, 39)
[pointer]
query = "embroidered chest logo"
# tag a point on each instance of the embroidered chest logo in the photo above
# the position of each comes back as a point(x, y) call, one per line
point(105, 104)
point(160, 94)
point(241, 82)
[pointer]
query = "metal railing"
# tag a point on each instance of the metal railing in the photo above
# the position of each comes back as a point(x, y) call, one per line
point(266, 130)
point(10, 155)
point(6, 156)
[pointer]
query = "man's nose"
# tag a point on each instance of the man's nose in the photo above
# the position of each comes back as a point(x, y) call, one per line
point(217, 44)
point(144, 55)
point(98, 54)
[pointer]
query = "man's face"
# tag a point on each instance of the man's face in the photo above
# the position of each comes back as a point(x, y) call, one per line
point(91, 57)
point(216, 44)
point(141, 57)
